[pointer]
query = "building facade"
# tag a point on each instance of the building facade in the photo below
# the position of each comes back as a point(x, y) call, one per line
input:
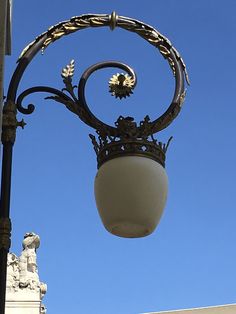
point(221, 309)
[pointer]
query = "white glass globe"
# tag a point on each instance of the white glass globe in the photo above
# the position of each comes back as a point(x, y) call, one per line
point(131, 193)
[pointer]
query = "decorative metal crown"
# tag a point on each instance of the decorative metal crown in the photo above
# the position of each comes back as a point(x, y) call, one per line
point(132, 141)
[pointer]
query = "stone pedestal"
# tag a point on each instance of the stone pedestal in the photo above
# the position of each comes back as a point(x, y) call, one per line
point(23, 302)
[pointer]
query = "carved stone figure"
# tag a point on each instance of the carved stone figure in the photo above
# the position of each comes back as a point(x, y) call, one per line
point(22, 273)
point(27, 262)
point(13, 274)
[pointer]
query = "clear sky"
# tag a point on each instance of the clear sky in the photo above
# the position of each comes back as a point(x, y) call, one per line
point(190, 260)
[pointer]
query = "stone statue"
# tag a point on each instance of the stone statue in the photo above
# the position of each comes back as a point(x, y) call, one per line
point(27, 262)
point(13, 274)
point(22, 272)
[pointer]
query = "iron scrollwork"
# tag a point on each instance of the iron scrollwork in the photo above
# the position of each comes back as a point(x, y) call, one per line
point(126, 136)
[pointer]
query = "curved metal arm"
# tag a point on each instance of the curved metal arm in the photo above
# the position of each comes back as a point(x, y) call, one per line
point(21, 67)
point(76, 105)
point(91, 120)
point(155, 126)
point(173, 110)
point(59, 96)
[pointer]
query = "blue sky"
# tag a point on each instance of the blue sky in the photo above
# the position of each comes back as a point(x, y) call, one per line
point(190, 259)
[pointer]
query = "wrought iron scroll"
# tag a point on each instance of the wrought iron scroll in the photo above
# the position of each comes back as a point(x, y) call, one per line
point(78, 105)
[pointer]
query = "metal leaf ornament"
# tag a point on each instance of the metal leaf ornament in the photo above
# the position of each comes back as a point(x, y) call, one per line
point(68, 71)
point(67, 74)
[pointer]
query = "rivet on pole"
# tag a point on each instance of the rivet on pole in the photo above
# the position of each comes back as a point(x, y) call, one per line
point(113, 17)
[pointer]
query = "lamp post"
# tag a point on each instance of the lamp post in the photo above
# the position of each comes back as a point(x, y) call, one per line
point(131, 182)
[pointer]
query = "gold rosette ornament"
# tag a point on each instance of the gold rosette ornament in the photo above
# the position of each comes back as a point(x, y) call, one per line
point(121, 85)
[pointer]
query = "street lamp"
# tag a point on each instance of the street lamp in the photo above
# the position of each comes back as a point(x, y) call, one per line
point(131, 182)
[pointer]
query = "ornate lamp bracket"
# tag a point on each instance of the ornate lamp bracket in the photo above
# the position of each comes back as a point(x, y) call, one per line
point(126, 136)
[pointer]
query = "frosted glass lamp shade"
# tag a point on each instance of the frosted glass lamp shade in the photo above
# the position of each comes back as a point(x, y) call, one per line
point(131, 193)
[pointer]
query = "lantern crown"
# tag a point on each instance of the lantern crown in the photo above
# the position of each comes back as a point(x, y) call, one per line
point(130, 141)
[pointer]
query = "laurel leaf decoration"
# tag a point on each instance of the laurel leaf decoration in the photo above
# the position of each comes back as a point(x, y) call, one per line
point(68, 71)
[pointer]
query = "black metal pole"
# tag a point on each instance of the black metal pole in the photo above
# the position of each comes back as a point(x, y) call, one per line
point(9, 125)
point(5, 223)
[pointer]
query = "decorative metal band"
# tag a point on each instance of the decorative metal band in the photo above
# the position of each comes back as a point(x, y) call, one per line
point(129, 143)
point(10, 123)
point(5, 233)
point(129, 148)
point(113, 20)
